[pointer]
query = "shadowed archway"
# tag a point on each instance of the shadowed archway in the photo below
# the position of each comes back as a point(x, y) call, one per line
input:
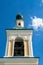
point(19, 47)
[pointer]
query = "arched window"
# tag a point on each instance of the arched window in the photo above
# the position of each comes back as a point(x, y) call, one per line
point(19, 47)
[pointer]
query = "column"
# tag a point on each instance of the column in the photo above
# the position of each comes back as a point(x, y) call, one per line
point(26, 51)
point(10, 48)
point(30, 46)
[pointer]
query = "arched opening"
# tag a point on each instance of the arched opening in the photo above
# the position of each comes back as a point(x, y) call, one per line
point(19, 47)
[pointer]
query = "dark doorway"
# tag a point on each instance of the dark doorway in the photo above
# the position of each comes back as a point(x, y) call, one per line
point(19, 47)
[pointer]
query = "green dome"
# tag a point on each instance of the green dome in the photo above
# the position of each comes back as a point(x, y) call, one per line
point(19, 16)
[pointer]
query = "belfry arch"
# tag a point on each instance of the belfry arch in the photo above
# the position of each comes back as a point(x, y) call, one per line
point(19, 47)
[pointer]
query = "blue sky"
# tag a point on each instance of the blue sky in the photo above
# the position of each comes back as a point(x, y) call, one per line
point(32, 10)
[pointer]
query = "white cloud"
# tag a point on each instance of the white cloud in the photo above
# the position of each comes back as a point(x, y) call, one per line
point(42, 1)
point(37, 22)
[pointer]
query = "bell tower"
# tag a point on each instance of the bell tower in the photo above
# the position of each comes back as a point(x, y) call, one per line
point(19, 40)
point(19, 45)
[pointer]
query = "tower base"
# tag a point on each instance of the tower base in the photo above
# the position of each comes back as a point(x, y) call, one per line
point(19, 61)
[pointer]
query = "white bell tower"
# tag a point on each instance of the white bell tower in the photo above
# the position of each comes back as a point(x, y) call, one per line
point(19, 34)
point(19, 45)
